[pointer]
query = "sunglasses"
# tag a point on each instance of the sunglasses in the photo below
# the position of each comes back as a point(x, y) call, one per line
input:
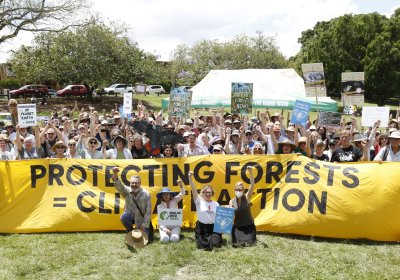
point(60, 147)
point(257, 149)
point(50, 133)
point(72, 145)
point(218, 151)
point(92, 142)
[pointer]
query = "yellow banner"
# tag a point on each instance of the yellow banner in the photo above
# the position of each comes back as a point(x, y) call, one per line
point(293, 194)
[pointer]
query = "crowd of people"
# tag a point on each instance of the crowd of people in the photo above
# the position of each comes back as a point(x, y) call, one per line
point(94, 135)
point(80, 134)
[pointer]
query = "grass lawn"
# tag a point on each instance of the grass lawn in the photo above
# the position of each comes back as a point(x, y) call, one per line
point(105, 256)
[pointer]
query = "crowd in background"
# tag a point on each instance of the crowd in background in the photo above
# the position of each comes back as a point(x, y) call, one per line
point(91, 134)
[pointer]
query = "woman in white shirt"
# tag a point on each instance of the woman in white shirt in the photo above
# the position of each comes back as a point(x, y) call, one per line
point(169, 200)
point(206, 209)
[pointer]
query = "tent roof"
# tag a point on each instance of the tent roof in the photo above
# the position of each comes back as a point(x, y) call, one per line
point(271, 88)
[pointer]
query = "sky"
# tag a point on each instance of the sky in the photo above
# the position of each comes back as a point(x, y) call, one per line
point(160, 25)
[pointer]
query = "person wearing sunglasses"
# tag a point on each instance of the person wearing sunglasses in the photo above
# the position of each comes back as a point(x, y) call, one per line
point(91, 152)
point(72, 151)
point(206, 209)
point(59, 149)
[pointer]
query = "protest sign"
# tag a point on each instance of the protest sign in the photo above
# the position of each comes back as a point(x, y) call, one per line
point(169, 217)
point(224, 219)
point(127, 109)
point(329, 119)
point(314, 79)
point(27, 115)
point(300, 113)
point(140, 88)
point(353, 83)
point(353, 99)
point(179, 102)
point(241, 97)
point(372, 114)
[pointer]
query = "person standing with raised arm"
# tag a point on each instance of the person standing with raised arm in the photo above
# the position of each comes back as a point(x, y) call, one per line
point(243, 230)
point(206, 209)
point(137, 204)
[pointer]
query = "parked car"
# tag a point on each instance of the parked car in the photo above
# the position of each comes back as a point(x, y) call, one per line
point(155, 89)
point(72, 90)
point(119, 88)
point(30, 91)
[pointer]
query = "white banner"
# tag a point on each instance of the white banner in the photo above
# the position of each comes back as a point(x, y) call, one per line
point(27, 115)
point(127, 109)
point(169, 217)
point(372, 114)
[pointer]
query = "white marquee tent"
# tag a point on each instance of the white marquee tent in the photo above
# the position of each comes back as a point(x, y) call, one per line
point(272, 88)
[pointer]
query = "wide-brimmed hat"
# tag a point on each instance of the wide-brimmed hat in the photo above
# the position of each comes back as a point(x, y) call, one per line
point(302, 139)
point(312, 127)
point(228, 121)
point(236, 132)
point(189, 121)
point(118, 137)
point(58, 144)
point(237, 121)
point(89, 139)
point(166, 190)
point(136, 238)
point(395, 135)
point(358, 137)
point(288, 142)
point(4, 137)
point(392, 130)
point(393, 121)
point(290, 129)
point(217, 139)
point(7, 124)
point(85, 116)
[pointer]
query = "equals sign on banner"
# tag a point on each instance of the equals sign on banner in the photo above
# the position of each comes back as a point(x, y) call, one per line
point(60, 202)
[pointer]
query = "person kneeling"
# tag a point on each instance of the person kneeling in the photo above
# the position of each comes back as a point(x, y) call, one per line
point(169, 200)
point(206, 209)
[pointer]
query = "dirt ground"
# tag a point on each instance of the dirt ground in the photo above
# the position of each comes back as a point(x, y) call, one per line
point(99, 103)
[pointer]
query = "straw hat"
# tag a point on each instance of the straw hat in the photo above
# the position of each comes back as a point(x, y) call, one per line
point(136, 238)
point(89, 139)
point(288, 142)
point(358, 137)
point(4, 137)
point(58, 144)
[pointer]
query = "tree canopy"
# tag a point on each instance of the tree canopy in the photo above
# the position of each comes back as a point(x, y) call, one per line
point(191, 64)
point(40, 15)
point(358, 43)
point(95, 54)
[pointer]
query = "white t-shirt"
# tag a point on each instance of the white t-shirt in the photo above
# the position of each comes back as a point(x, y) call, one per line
point(206, 210)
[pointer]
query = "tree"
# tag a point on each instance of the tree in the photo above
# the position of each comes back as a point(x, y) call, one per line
point(340, 44)
point(39, 15)
point(95, 54)
point(382, 62)
point(191, 64)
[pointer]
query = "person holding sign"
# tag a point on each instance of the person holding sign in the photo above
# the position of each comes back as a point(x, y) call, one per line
point(31, 148)
point(169, 200)
point(244, 230)
point(205, 208)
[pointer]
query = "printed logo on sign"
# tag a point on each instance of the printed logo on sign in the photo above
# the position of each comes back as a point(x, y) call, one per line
point(164, 216)
point(172, 216)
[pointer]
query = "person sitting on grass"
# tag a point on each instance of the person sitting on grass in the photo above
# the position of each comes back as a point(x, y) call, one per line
point(243, 230)
point(169, 200)
point(206, 209)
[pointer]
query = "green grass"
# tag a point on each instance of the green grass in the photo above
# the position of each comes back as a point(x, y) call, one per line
point(105, 256)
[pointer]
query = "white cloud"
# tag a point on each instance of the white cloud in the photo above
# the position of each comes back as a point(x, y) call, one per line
point(159, 25)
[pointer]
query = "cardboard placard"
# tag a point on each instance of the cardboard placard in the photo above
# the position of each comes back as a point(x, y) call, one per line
point(27, 115)
point(224, 219)
point(170, 217)
point(314, 79)
point(242, 98)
